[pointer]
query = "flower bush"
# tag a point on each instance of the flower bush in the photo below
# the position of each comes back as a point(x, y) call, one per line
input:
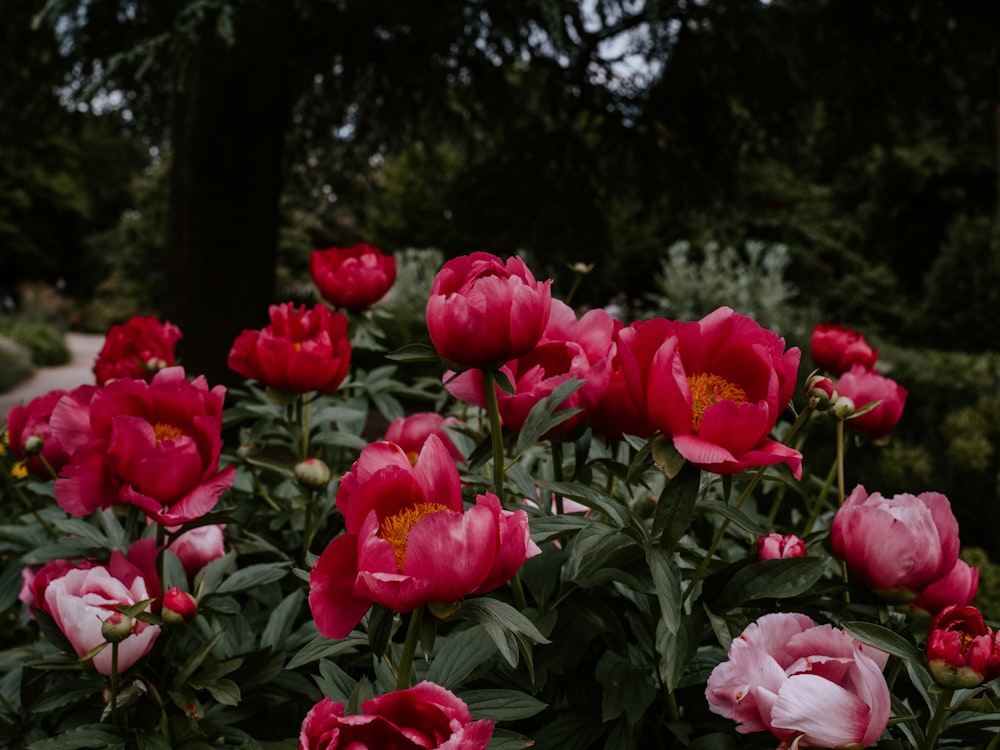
point(598, 534)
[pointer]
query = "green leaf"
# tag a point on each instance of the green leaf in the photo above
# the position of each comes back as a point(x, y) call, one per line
point(224, 691)
point(340, 439)
point(886, 640)
point(676, 506)
point(542, 417)
point(282, 619)
point(667, 581)
point(86, 736)
point(416, 352)
point(335, 683)
point(735, 515)
point(321, 647)
point(194, 661)
point(504, 739)
point(84, 534)
point(146, 740)
point(460, 655)
point(379, 626)
point(251, 577)
point(610, 507)
point(770, 579)
point(504, 624)
point(66, 693)
point(501, 705)
point(628, 688)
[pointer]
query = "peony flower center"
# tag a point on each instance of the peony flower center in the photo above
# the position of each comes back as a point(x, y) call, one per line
point(164, 431)
point(395, 529)
point(707, 389)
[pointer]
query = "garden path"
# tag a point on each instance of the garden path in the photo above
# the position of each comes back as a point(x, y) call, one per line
point(83, 347)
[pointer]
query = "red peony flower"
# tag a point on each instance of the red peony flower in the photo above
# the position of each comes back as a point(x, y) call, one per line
point(569, 348)
point(31, 437)
point(197, 547)
point(896, 546)
point(411, 432)
point(616, 414)
point(865, 386)
point(153, 445)
point(962, 652)
point(780, 547)
point(483, 312)
point(836, 349)
point(808, 685)
point(353, 278)
point(138, 349)
point(409, 540)
point(300, 352)
point(422, 717)
point(178, 606)
point(717, 386)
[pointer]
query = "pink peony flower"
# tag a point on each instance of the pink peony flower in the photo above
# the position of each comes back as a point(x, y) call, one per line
point(29, 431)
point(483, 312)
point(82, 598)
point(569, 348)
point(958, 588)
point(780, 546)
point(154, 445)
point(808, 685)
point(411, 432)
point(352, 277)
point(896, 546)
point(409, 540)
point(197, 547)
point(836, 349)
point(301, 351)
point(865, 386)
point(717, 386)
point(139, 348)
point(616, 414)
point(423, 716)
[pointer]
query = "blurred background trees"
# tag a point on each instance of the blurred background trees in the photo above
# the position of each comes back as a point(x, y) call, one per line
point(182, 157)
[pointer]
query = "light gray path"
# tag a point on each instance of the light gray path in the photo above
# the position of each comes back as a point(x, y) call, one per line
point(84, 348)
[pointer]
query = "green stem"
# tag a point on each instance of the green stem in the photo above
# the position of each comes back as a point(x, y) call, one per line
point(937, 720)
point(114, 683)
point(841, 493)
point(305, 409)
point(409, 649)
point(496, 436)
point(820, 500)
point(310, 525)
point(518, 589)
point(161, 548)
point(557, 473)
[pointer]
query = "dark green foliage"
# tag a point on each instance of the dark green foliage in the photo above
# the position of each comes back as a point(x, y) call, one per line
point(15, 363)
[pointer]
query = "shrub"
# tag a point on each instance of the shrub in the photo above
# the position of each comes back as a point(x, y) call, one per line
point(15, 363)
point(46, 343)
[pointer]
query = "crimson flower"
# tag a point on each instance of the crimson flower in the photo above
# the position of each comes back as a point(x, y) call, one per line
point(896, 546)
point(866, 386)
point(836, 349)
point(962, 651)
point(959, 588)
point(409, 540)
point(780, 547)
point(569, 348)
point(301, 351)
point(154, 445)
point(138, 348)
point(422, 717)
point(31, 437)
point(353, 278)
point(616, 414)
point(483, 311)
point(716, 386)
point(411, 432)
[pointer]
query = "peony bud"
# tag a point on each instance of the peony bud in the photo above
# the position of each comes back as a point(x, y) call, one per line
point(820, 392)
point(780, 546)
point(842, 407)
point(116, 628)
point(178, 606)
point(34, 445)
point(962, 652)
point(313, 474)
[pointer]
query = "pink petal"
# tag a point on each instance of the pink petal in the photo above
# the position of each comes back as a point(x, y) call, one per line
point(334, 606)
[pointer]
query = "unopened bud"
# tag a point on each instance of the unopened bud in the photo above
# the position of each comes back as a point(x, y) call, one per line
point(842, 407)
point(116, 628)
point(34, 445)
point(245, 450)
point(178, 606)
point(820, 392)
point(155, 364)
point(312, 473)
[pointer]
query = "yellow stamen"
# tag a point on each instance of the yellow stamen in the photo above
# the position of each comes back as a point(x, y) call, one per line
point(19, 470)
point(395, 529)
point(164, 431)
point(707, 389)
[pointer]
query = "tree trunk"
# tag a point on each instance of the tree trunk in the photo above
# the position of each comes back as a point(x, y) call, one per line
point(231, 109)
